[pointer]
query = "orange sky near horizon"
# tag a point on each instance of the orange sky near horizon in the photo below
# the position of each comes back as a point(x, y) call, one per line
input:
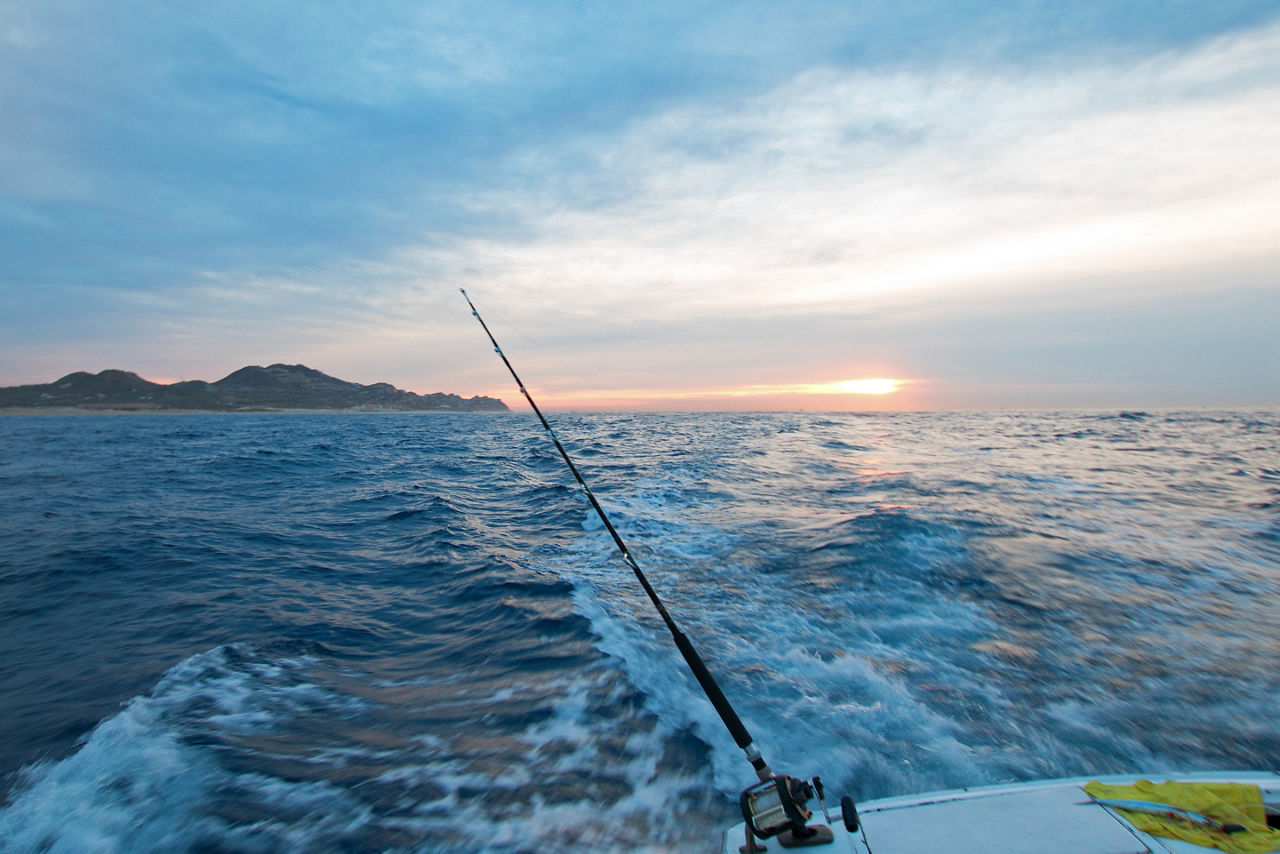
point(872, 393)
point(864, 394)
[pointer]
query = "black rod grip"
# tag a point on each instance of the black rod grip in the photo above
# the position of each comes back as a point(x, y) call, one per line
point(712, 690)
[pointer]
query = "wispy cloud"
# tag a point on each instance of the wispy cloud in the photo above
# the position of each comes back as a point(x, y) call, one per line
point(842, 186)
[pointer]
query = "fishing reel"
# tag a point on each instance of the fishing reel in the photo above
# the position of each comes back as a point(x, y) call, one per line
point(777, 806)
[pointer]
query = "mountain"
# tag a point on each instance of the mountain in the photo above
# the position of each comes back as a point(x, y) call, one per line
point(250, 388)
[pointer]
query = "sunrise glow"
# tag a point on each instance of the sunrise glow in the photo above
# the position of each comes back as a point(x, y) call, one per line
point(767, 396)
point(875, 385)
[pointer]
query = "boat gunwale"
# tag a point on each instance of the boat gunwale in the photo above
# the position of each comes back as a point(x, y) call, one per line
point(1267, 781)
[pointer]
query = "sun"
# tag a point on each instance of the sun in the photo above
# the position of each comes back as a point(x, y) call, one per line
point(874, 385)
point(870, 385)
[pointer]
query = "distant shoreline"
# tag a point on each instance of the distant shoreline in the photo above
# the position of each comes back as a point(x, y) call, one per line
point(275, 388)
point(17, 411)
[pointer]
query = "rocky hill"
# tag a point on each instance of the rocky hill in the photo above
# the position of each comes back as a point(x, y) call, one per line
point(276, 387)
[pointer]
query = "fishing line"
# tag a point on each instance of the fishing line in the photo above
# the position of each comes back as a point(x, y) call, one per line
point(566, 369)
point(700, 672)
point(775, 806)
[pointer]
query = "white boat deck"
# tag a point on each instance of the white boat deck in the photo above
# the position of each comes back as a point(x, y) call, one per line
point(1043, 817)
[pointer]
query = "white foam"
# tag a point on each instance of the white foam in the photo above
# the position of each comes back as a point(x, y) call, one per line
point(141, 782)
point(799, 671)
point(132, 786)
point(586, 776)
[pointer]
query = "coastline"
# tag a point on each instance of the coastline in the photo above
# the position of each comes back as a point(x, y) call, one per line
point(17, 411)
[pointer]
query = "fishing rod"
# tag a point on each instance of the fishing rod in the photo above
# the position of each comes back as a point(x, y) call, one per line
point(777, 803)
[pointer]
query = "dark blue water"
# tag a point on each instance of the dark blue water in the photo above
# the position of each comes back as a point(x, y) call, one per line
point(407, 633)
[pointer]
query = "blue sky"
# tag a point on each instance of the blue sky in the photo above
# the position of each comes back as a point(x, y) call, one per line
point(1008, 204)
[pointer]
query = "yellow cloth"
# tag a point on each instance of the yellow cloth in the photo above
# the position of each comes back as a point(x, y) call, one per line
point(1225, 803)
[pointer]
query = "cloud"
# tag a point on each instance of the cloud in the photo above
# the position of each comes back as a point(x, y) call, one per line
point(843, 186)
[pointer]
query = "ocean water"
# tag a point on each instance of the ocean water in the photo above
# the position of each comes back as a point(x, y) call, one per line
point(383, 632)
